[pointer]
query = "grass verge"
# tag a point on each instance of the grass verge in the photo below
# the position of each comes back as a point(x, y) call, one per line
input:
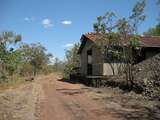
point(12, 82)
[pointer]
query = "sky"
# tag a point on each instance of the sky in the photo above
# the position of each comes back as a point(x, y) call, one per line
point(58, 24)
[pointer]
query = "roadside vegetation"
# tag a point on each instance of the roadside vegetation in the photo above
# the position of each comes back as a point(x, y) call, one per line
point(72, 61)
point(19, 61)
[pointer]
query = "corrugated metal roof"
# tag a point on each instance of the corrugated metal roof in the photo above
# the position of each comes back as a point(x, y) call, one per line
point(145, 41)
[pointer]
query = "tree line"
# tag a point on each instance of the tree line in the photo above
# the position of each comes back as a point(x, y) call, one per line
point(21, 59)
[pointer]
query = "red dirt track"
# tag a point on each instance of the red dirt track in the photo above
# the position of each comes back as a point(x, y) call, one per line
point(67, 101)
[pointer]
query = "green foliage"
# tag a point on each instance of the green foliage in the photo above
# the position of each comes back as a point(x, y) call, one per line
point(20, 59)
point(119, 37)
point(105, 23)
point(26, 69)
point(153, 31)
point(12, 61)
point(137, 15)
point(109, 41)
point(95, 27)
point(8, 56)
point(131, 28)
point(35, 55)
point(123, 27)
point(72, 60)
point(134, 42)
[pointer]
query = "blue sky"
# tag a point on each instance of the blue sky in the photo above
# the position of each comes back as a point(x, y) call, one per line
point(57, 24)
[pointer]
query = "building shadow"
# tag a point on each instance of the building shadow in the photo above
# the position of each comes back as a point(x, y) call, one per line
point(140, 113)
point(72, 81)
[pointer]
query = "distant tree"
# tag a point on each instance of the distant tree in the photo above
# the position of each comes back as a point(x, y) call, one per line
point(72, 60)
point(58, 65)
point(35, 55)
point(17, 58)
point(155, 31)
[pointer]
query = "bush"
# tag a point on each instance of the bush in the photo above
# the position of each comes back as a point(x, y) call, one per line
point(26, 70)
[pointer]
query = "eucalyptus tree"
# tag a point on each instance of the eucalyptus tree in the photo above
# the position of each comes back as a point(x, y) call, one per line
point(9, 57)
point(115, 32)
point(128, 28)
point(109, 40)
point(137, 16)
point(155, 31)
point(35, 56)
point(72, 60)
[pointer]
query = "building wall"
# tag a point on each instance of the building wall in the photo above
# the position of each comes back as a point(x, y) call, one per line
point(97, 60)
point(98, 65)
point(83, 57)
point(107, 70)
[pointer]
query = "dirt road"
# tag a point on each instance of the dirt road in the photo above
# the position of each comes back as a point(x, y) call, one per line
point(66, 101)
point(49, 98)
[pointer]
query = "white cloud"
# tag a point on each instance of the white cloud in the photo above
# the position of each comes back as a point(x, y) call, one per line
point(66, 22)
point(29, 19)
point(47, 23)
point(68, 45)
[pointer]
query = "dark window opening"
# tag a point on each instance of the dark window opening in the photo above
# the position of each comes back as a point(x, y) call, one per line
point(89, 62)
point(89, 69)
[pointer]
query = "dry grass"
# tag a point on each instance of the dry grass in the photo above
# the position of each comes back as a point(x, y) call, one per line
point(12, 82)
point(18, 99)
point(128, 105)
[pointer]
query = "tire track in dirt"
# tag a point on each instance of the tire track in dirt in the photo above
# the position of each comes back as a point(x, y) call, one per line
point(66, 101)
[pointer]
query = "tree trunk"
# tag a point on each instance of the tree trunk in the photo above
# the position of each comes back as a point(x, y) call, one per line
point(112, 67)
